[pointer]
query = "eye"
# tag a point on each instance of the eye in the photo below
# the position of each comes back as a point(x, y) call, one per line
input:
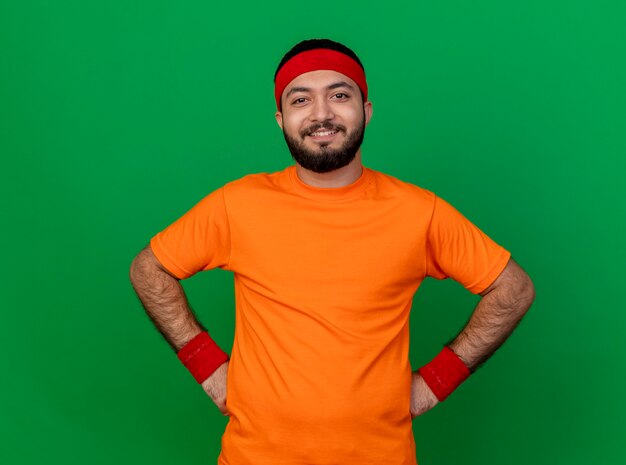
point(342, 94)
point(297, 100)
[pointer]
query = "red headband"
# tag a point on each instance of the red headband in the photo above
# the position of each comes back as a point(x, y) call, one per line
point(313, 60)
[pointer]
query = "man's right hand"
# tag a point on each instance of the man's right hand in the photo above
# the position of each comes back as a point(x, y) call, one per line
point(215, 387)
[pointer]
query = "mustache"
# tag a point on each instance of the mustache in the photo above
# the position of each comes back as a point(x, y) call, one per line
point(327, 126)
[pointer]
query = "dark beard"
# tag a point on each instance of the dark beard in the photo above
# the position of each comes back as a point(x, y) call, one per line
point(326, 159)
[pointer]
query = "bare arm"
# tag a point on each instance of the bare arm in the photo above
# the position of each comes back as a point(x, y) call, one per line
point(164, 299)
point(500, 309)
point(166, 304)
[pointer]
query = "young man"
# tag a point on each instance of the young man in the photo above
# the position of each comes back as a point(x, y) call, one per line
point(326, 257)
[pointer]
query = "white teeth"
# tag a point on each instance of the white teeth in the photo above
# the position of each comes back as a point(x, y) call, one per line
point(324, 133)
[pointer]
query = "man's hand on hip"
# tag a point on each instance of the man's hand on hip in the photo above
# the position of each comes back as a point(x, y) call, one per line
point(215, 387)
point(422, 398)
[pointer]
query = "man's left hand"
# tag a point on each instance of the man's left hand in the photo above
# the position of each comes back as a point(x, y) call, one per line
point(422, 398)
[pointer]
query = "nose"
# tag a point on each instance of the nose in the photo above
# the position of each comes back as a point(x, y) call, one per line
point(321, 110)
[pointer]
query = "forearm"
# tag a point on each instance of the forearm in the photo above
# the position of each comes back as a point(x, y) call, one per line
point(495, 317)
point(165, 301)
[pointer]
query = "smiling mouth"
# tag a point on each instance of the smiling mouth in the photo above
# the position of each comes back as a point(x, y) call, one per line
point(323, 134)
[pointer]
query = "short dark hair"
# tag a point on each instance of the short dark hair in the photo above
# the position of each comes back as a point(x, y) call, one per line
point(312, 44)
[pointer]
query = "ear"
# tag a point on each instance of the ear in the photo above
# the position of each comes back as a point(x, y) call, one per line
point(279, 118)
point(367, 108)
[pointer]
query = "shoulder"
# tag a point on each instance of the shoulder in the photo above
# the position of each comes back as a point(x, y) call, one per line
point(258, 179)
point(387, 183)
point(257, 185)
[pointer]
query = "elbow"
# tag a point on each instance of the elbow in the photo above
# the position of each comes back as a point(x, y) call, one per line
point(145, 266)
point(133, 270)
point(526, 292)
point(137, 268)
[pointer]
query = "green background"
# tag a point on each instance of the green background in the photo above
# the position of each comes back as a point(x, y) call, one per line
point(116, 117)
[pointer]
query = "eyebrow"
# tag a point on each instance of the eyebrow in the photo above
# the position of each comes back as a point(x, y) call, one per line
point(330, 87)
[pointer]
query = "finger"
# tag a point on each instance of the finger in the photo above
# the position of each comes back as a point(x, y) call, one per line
point(224, 409)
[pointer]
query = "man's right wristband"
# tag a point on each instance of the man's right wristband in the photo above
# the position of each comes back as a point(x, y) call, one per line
point(202, 356)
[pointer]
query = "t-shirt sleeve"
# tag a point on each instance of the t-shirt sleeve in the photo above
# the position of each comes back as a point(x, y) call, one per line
point(458, 249)
point(197, 241)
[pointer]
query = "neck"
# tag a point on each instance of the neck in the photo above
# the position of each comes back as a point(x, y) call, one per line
point(337, 178)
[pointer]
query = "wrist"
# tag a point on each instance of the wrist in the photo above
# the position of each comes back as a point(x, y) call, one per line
point(202, 356)
point(444, 373)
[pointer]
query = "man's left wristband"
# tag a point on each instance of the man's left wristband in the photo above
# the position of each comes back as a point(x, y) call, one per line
point(202, 356)
point(444, 373)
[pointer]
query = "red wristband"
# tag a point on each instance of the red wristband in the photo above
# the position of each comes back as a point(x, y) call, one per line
point(444, 373)
point(202, 356)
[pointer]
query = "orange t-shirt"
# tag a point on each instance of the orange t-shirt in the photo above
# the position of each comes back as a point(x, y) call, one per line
point(324, 281)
